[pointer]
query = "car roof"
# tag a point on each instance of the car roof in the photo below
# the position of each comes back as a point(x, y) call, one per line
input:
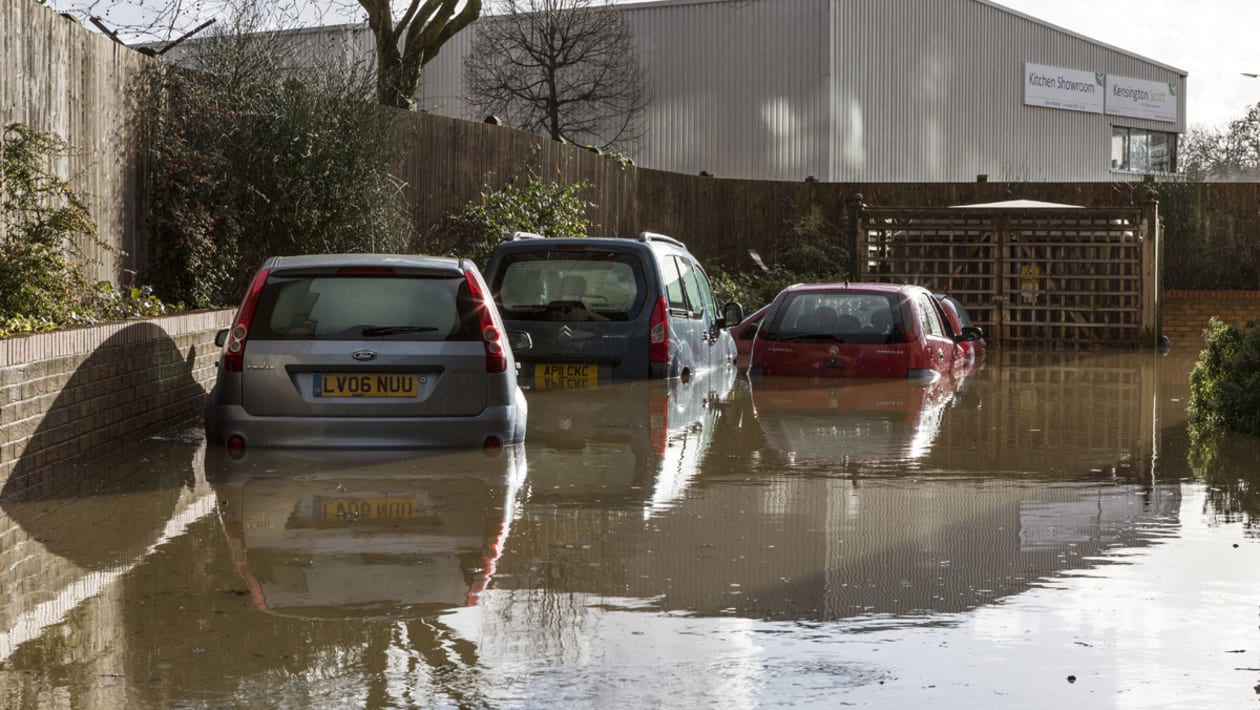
point(634, 243)
point(397, 261)
point(853, 286)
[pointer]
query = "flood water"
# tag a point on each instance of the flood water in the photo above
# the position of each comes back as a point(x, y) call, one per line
point(1041, 533)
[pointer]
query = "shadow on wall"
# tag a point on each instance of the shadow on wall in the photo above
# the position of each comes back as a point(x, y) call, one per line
point(82, 487)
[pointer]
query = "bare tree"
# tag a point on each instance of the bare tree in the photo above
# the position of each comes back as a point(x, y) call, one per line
point(1230, 154)
point(564, 68)
point(405, 45)
point(405, 41)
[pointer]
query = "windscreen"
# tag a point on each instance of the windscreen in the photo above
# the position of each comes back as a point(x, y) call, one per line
point(329, 307)
point(570, 285)
point(849, 317)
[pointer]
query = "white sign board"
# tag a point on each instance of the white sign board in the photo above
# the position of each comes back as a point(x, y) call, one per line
point(1056, 87)
point(1138, 98)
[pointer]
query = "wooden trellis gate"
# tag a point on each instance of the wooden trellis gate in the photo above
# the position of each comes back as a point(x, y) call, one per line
point(1058, 276)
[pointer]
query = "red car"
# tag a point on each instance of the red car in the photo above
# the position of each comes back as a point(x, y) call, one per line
point(858, 330)
point(958, 319)
point(745, 332)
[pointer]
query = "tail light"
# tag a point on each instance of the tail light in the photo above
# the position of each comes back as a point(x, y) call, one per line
point(910, 318)
point(234, 348)
point(236, 447)
point(658, 340)
point(496, 356)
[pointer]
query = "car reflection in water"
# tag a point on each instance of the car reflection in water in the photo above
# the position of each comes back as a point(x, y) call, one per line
point(868, 423)
point(628, 444)
point(369, 534)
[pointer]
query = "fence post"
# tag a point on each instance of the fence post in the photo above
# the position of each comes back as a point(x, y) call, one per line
point(1152, 265)
point(857, 266)
point(1000, 226)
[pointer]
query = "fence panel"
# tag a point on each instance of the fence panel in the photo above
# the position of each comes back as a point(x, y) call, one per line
point(1062, 277)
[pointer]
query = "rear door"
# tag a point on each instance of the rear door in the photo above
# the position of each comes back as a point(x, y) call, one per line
point(365, 341)
point(939, 349)
point(584, 307)
point(719, 345)
point(688, 336)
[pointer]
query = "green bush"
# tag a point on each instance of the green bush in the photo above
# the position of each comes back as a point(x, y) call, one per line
point(1225, 381)
point(545, 208)
point(814, 253)
point(44, 226)
point(251, 158)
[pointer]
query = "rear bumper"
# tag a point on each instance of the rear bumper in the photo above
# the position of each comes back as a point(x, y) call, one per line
point(505, 422)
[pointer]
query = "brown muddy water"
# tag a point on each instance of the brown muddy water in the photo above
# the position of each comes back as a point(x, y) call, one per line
point(1041, 533)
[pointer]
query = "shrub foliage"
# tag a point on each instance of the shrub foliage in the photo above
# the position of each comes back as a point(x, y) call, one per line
point(44, 226)
point(814, 251)
point(250, 158)
point(1225, 381)
point(532, 205)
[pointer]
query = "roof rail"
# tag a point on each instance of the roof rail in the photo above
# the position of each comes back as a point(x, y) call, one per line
point(525, 235)
point(656, 237)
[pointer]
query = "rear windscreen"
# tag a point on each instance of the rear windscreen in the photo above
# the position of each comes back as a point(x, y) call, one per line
point(328, 307)
point(557, 284)
point(850, 317)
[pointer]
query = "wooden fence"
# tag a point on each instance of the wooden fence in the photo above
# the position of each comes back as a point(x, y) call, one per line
point(59, 77)
point(1029, 276)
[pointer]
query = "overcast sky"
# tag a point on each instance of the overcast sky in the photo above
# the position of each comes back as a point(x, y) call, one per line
point(1213, 41)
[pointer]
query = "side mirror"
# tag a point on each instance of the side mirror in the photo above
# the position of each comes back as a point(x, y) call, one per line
point(520, 340)
point(970, 333)
point(732, 315)
point(220, 338)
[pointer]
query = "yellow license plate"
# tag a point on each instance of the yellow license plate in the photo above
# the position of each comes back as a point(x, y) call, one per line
point(560, 376)
point(351, 509)
point(378, 385)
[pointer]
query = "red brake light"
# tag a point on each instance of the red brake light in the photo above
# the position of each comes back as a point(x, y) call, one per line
point(496, 358)
point(658, 340)
point(365, 271)
point(236, 446)
point(234, 348)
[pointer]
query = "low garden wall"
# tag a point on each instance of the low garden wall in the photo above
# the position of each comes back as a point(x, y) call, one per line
point(1186, 313)
point(82, 393)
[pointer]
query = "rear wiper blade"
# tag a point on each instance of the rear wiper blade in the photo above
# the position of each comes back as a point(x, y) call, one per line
point(396, 329)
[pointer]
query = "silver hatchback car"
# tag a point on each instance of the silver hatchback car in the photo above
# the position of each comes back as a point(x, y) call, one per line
point(366, 350)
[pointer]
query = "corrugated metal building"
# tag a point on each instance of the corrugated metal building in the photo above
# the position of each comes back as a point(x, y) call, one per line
point(869, 91)
point(882, 90)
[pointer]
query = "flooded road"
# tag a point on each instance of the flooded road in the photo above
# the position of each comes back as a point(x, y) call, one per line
point(1041, 533)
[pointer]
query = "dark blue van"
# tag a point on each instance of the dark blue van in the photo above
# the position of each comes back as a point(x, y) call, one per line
point(602, 309)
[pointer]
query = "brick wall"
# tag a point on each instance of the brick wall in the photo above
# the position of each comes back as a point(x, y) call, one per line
point(1186, 313)
point(92, 391)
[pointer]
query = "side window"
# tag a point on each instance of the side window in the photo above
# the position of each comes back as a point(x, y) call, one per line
point(928, 317)
point(706, 293)
point(691, 286)
point(673, 283)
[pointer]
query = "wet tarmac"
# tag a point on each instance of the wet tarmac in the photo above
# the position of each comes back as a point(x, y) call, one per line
point(1041, 533)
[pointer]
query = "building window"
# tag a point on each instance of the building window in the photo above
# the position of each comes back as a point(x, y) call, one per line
point(1141, 151)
